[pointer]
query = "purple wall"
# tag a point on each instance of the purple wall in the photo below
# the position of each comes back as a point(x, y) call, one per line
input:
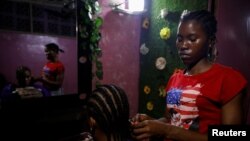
point(120, 48)
point(28, 49)
point(233, 36)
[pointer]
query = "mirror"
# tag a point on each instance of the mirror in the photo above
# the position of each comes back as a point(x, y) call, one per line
point(26, 26)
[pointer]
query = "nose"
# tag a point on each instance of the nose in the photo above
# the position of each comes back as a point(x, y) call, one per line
point(182, 45)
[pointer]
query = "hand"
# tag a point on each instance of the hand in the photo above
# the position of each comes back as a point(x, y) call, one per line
point(135, 120)
point(37, 79)
point(139, 118)
point(149, 128)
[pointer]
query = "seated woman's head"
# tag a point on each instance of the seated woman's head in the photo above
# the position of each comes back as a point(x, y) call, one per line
point(108, 111)
point(23, 76)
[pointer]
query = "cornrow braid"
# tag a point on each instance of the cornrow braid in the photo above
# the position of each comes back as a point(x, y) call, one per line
point(205, 18)
point(109, 106)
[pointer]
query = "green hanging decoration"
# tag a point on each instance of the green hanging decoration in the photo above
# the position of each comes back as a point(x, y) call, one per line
point(89, 27)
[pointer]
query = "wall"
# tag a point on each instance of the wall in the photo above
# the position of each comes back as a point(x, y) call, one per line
point(233, 37)
point(28, 49)
point(120, 51)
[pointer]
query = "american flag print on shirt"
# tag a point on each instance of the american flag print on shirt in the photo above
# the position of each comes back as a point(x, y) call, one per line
point(181, 103)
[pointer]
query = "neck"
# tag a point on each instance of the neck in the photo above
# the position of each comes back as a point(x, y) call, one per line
point(53, 60)
point(199, 67)
point(100, 135)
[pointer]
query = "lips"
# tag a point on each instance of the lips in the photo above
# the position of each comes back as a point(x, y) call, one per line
point(184, 55)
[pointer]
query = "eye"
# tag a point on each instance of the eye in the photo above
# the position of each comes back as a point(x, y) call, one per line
point(192, 38)
point(27, 76)
point(179, 39)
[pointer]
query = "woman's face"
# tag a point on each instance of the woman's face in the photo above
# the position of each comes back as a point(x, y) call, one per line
point(27, 77)
point(191, 42)
point(50, 54)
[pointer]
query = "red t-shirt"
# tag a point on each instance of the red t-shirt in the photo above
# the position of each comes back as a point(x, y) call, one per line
point(51, 70)
point(195, 102)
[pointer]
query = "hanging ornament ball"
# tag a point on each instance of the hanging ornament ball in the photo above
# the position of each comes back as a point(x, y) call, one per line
point(160, 63)
point(143, 49)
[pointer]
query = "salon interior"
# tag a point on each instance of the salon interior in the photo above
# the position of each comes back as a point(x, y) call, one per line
point(114, 42)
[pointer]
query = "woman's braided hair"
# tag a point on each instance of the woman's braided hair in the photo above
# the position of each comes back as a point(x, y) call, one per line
point(205, 18)
point(109, 106)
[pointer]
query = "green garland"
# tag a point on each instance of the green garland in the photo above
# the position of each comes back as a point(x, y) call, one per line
point(89, 28)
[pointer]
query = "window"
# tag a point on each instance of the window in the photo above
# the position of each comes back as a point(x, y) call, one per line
point(37, 18)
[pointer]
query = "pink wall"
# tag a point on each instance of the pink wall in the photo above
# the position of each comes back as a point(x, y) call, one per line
point(27, 49)
point(233, 36)
point(119, 43)
point(120, 46)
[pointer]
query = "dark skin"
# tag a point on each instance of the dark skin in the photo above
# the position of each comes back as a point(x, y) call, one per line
point(192, 44)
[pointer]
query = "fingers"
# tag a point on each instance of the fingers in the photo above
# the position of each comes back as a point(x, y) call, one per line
point(139, 118)
point(141, 131)
point(142, 117)
point(139, 134)
point(139, 128)
point(141, 138)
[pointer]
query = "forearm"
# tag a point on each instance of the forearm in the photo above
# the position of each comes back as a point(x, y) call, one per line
point(181, 134)
point(50, 82)
point(163, 119)
point(55, 83)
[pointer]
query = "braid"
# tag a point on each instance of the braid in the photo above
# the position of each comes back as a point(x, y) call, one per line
point(205, 18)
point(108, 105)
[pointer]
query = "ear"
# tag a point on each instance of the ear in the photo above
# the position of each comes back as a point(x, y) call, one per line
point(92, 122)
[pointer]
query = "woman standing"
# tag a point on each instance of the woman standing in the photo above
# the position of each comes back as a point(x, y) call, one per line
point(204, 93)
point(53, 71)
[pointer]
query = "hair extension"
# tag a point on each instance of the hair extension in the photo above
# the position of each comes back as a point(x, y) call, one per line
point(205, 18)
point(109, 106)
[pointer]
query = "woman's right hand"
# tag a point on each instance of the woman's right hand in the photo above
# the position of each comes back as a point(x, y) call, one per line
point(139, 118)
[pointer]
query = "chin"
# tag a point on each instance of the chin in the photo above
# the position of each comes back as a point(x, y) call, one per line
point(186, 62)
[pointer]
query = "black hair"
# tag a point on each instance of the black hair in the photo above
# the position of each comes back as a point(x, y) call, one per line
point(21, 75)
point(205, 18)
point(54, 47)
point(109, 106)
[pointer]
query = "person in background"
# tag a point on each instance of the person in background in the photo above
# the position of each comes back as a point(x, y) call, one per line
point(24, 87)
point(53, 71)
point(107, 110)
point(204, 93)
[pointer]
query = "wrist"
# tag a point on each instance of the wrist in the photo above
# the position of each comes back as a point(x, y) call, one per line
point(168, 131)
